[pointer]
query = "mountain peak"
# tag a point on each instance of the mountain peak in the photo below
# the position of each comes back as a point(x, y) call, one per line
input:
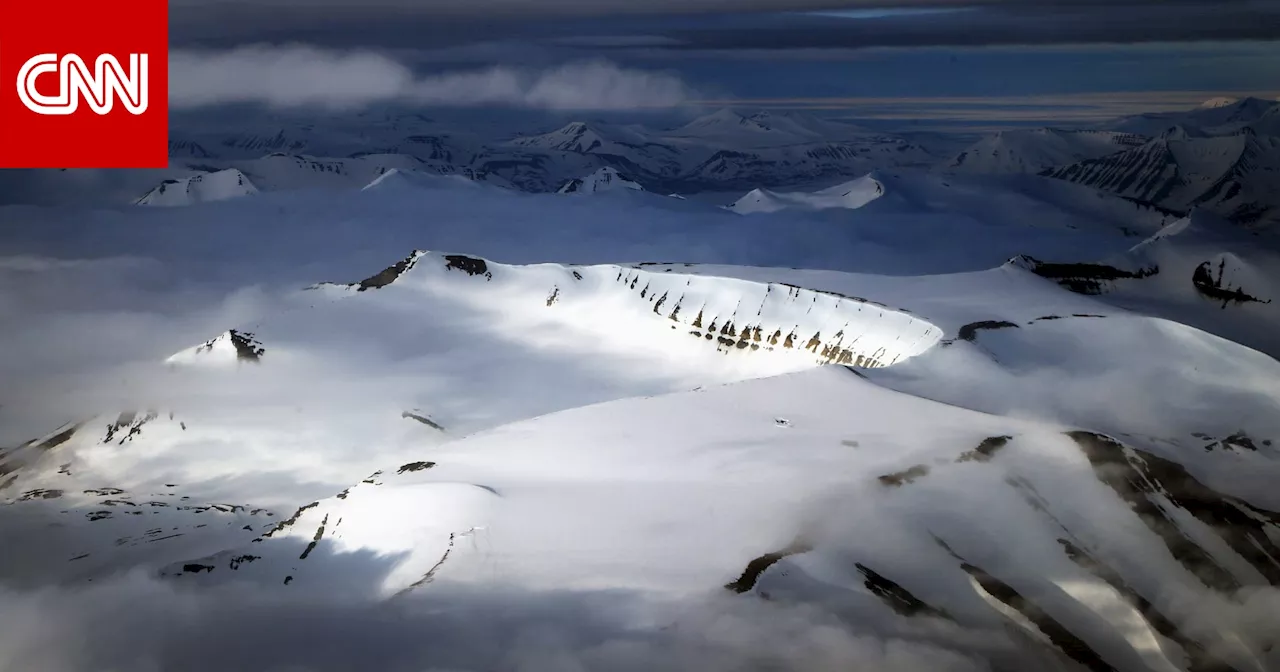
point(1219, 101)
point(200, 188)
point(604, 179)
point(395, 178)
point(725, 115)
point(849, 195)
point(576, 136)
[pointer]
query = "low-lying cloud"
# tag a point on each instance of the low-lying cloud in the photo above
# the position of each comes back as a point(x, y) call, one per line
point(298, 76)
point(135, 623)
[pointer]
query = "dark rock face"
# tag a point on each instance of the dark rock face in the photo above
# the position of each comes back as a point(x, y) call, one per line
point(247, 348)
point(757, 567)
point(1152, 484)
point(969, 332)
point(387, 275)
point(985, 450)
point(469, 265)
point(895, 596)
point(1213, 287)
point(415, 466)
point(1084, 278)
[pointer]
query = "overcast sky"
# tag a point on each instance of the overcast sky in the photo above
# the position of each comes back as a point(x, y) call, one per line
point(727, 23)
point(622, 54)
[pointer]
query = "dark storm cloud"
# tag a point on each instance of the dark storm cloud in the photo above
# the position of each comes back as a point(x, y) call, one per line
point(716, 24)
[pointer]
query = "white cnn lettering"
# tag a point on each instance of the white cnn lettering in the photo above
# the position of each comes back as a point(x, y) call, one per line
point(99, 87)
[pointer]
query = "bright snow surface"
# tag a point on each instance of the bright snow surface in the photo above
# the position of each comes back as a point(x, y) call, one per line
point(1062, 462)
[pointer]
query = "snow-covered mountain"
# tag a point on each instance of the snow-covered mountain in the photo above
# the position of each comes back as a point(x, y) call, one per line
point(849, 195)
point(723, 150)
point(585, 138)
point(329, 135)
point(1074, 534)
point(1034, 150)
point(920, 205)
point(633, 331)
point(727, 149)
point(605, 179)
point(216, 186)
point(762, 128)
point(210, 180)
point(1219, 101)
point(1216, 117)
point(1221, 157)
point(1235, 176)
point(411, 418)
point(395, 179)
point(1196, 267)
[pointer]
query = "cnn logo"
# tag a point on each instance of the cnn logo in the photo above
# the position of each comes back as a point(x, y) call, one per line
point(99, 87)
point(84, 84)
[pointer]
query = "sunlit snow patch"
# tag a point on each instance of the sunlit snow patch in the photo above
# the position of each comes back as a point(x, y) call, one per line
point(630, 309)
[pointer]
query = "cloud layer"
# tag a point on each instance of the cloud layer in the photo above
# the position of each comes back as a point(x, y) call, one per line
point(135, 623)
point(490, 8)
point(722, 24)
point(293, 76)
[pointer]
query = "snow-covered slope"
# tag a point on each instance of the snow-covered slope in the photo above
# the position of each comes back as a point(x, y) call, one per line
point(216, 186)
point(218, 180)
point(605, 179)
point(801, 164)
point(1174, 168)
point(1034, 150)
point(1222, 117)
point(583, 138)
point(838, 435)
point(929, 206)
point(221, 136)
point(723, 150)
point(1221, 157)
point(1196, 269)
point(1077, 538)
point(289, 171)
point(756, 129)
point(1234, 175)
point(850, 195)
point(498, 335)
point(1219, 101)
point(395, 179)
point(631, 149)
point(1038, 535)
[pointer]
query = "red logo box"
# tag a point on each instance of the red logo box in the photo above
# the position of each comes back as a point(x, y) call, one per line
point(84, 84)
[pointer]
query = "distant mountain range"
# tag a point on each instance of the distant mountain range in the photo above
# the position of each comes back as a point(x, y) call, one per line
point(1034, 150)
point(605, 179)
point(1234, 175)
point(1221, 157)
point(725, 150)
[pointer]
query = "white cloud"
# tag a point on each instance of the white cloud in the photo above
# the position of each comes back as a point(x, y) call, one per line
point(298, 75)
